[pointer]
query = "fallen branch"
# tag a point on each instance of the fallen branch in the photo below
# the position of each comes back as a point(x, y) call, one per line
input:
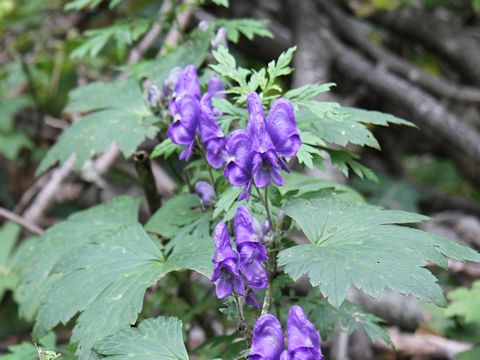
point(31, 227)
point(101, 165)
point(351, 31)
point(425, 109)
point(423, 344)
point(146, 179)
point(455, 46)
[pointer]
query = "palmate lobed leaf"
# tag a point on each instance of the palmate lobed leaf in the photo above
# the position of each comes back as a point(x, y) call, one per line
point(347, 317)
point(174, 215)
point(362, 245)
point(465, 302)
point(342, 125)
point(153, 339)
point(105, 279)
point(40, 255)
point(9, 234)
point(119, 116)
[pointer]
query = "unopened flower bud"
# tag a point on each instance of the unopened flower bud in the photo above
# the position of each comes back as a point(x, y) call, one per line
point(219, 39)
point(206, 193)
point(170, 82)
point(256, 226)
point(203, 25)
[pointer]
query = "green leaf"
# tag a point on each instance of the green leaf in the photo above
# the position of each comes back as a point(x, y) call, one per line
point(122, 118)
point(374, 117)
point(153, 339)
point(226, 200)
point(9, 233)
point(165, 149)
point(27, 351)
point(23, 351)
point(347, 318)
point(327, 121)
point(465, 302)
point(121, 94)
point(12, 142)
point(346, 161)
point(174, 215)
point(224, 3)
point(193, 51)
point(473, 354)
point(247, 27)
point(8, 108)
point(306, 155)
point(341, 125)
point(41, 255)
point(281, 67)
point(118, 266)
point(307, 92)
point(121, 32)
point(299, 185)
point(362, 245)
point(90, 4)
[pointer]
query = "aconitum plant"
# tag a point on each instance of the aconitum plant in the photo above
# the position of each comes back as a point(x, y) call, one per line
point(248, 247)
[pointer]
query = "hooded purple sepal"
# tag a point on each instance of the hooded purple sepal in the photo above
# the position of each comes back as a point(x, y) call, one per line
point(267, 341)
point(212, 135)
point(252, 253)
point(239, 161)
point(303, 338)
point(282, 128)
point(265, 160)
point(187, 83)
point(252, 299)
point(183, 130)
point(225, 272)
point(206, 193)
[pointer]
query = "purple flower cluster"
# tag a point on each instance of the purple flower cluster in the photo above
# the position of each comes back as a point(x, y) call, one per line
point(194, 113)
point(256, 154)
point(303, 339)
point(243, 270)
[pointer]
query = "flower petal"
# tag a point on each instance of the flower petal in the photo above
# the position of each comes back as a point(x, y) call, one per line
point(267, 341)
point(243, 225)
point(261, 141)
point(282, 128)
point(303, 338)
point(188, 82)
point(223, 287)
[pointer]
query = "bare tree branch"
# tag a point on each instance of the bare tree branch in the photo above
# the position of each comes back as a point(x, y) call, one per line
point(425, 109)
point(424, 344)
point(31, 227)
point(452, 43)
point(350, 29)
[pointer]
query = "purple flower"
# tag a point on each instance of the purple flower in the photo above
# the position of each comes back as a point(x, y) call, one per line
point(193, 113)
point(216, 87)
point(185, 109)
point(239, 162)
point(225, 272)
point(264, 143)
point(252, 299)
point(267, 341)
point(252, 253)
point(182, 131)
point(170, 82)
point(153, 95)
point(303, 338)
point(206, 193)
point(213, 138)
point(187, 82)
